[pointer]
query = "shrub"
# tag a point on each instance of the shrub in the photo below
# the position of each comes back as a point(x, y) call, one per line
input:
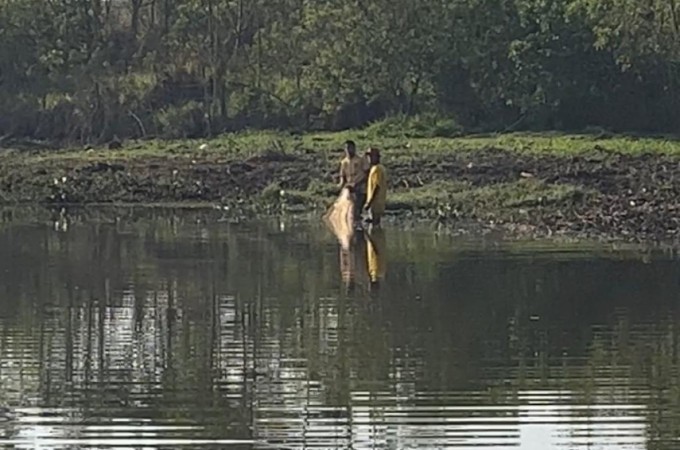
point(185, 121)
point(420, 126)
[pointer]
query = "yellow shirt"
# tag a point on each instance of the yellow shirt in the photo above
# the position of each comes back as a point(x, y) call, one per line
point(354, 171)
point(376, 257)
point(377, 178)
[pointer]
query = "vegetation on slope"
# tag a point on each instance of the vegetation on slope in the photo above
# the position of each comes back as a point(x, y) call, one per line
point(91, 70)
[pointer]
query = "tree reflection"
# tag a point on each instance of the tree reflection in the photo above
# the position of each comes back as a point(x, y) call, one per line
point(242, 332)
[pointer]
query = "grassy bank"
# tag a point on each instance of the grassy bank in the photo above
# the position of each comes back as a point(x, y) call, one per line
point(590, 184)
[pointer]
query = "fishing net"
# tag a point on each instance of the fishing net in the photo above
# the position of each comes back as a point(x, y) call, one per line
point(340, 218)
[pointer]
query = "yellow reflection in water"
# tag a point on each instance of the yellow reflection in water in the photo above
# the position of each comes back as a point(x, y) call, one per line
point(376, 256)
point(362, 255)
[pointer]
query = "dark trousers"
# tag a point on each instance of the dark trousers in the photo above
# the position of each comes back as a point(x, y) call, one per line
point(359, 202)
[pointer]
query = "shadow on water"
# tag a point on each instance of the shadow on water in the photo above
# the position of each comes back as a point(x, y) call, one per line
point(173, 330)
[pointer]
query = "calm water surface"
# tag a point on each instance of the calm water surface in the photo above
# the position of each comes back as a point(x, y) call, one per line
point(174, 330)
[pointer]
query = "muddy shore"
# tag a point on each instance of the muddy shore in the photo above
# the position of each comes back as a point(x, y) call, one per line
point(599, 193)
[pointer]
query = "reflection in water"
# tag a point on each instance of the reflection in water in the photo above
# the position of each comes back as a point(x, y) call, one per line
point(176, 331)
point(352, 262)
point(376, 252)
point(340, 219)
point(362, 254)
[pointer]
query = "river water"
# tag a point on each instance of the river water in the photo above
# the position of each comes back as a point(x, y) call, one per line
point(171, 329)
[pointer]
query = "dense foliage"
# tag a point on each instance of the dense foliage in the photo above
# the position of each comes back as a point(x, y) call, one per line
point(88, 70)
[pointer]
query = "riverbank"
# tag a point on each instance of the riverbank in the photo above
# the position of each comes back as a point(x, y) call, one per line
point(573, 185)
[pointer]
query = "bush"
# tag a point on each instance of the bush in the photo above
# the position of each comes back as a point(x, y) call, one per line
point(322, 189)
point(420, 126)
point(272, 193)
point(19, 118)
point(185, 121)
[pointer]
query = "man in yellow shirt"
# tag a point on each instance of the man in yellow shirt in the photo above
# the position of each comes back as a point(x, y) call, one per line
point(376, 194)
point(353, 171)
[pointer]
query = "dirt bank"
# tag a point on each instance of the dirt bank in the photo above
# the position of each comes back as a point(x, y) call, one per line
point(595, 193)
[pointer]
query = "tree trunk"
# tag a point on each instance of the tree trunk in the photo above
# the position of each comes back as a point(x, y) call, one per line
point(412, 96)
point(134, 20)
point(674, 16)
point(166, 16)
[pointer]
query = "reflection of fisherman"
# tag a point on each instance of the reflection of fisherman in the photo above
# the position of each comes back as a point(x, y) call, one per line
point(347, 268)
point(353, 173)
point(350, 260)
point(376, 256)
point(361, 253)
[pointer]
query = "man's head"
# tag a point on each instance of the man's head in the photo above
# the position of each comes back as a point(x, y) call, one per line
point(374, 156)
point(350, 148)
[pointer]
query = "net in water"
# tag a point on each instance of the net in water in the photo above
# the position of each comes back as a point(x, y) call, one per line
point(340, 218)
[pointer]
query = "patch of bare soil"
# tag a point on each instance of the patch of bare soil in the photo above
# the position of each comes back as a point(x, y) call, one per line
point(634, 197)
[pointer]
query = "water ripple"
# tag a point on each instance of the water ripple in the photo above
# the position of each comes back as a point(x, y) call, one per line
point(144, 336)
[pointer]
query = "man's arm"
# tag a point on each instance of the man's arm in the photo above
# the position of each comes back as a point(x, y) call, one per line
point(343, 177)
point(369, 202)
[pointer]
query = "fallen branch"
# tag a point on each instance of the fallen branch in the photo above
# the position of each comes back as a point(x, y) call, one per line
point(139, 123)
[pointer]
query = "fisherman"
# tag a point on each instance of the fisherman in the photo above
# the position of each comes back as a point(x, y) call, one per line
point(353, 172)
point(376, 194)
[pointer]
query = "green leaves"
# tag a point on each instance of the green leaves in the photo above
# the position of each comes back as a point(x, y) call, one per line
point(488, 64)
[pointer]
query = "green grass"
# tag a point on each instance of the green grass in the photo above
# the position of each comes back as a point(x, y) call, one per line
point(431, 196)
point(523, 193)
point(409, 144)
point(541, 143)
point(318, 193)
point(445, 198)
